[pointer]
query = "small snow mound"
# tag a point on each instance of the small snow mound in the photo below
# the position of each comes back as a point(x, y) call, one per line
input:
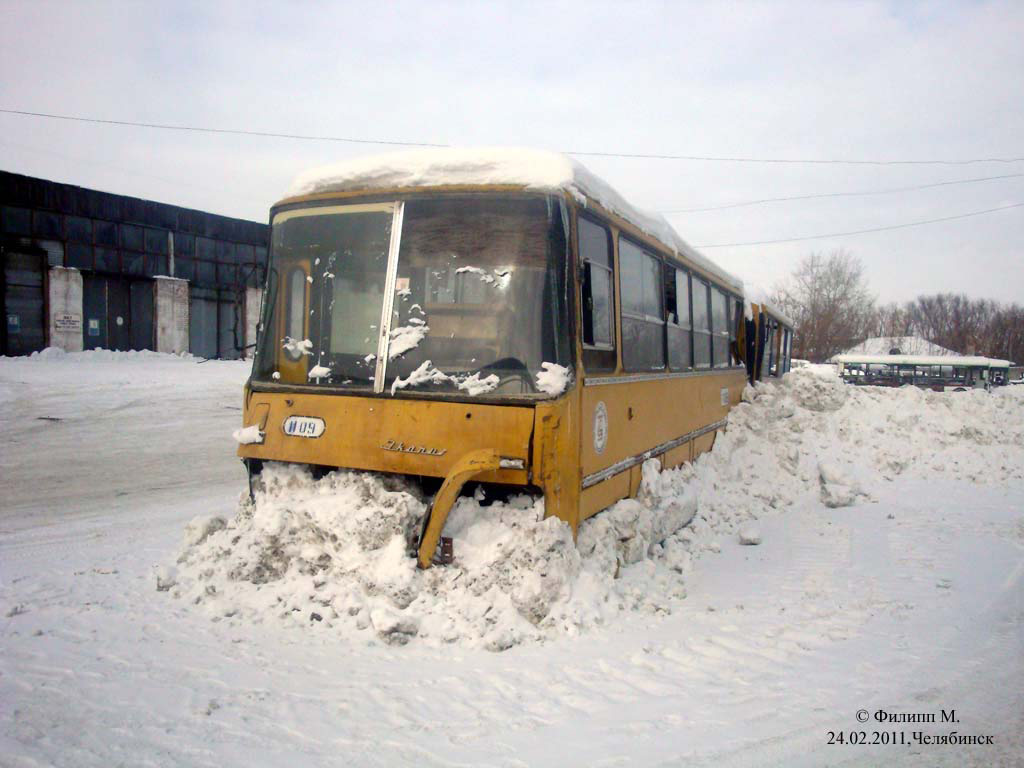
point(817, 393)
point(50, 353)
point(750, 534)
point(166, 577)
point(199, 529)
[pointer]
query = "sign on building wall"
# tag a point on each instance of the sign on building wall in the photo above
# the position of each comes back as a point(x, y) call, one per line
point(68, 321)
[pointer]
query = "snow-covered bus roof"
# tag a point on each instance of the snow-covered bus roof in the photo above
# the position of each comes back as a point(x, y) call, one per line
point(755, 294)
point(951, 360)
point(531, 168)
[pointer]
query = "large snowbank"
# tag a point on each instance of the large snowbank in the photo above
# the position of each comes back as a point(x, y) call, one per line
point(333, 554)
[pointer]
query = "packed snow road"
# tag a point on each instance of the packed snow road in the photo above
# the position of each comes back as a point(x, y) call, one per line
point(890, 578)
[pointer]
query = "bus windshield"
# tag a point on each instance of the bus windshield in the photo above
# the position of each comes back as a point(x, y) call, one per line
point(477, 296)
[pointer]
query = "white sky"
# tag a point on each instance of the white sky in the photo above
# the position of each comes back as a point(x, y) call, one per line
point(797, 80)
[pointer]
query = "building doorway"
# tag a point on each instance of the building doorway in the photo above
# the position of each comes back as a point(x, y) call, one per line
point(23, 293)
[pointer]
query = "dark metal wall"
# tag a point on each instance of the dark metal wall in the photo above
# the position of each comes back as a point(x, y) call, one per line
point(107, 235)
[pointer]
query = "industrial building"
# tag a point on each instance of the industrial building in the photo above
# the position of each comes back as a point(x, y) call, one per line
point(84, 269)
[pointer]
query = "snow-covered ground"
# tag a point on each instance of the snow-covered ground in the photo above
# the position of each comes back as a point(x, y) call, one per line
point(890, 575)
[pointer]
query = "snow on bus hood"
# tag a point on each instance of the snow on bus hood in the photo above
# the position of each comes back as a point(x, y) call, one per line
point(516, 166)
point(332, 554)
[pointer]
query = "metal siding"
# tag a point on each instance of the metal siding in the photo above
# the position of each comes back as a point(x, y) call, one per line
point(132, 263)
point(107, 259)
point(45, 224)
point(131, 237)
point(16, 221)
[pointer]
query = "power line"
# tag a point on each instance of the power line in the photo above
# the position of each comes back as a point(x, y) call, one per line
point(863, 231)
point(840, 194)
point(578, 153)
point(232, 131)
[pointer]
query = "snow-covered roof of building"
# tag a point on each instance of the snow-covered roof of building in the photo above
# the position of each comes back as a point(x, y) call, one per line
point(954, 360)
point(531, 168)
point(907, 345)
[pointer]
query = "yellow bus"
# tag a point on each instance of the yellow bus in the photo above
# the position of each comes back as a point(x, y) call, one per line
point(491, 316)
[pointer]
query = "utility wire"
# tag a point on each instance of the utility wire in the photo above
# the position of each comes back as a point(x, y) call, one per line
point(233, 131)
point(862, 231)
point(578, 153)
point(840, 194)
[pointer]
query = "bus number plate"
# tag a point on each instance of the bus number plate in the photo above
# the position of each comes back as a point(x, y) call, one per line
point(303, 426)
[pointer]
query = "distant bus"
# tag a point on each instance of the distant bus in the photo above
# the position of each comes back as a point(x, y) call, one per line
point(936, 373)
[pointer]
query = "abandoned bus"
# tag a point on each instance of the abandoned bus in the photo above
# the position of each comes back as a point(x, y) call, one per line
point(495, 316)
point(936, 373)
point(769, 341)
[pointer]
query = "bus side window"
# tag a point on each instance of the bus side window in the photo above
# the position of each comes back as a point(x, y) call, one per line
point(701, 324)
point(643, 313)
point(734, 323)
point(598, 296)
point(677, 313)
point(719, 329)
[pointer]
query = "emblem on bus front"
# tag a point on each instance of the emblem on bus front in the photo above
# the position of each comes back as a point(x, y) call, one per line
point(422, 450)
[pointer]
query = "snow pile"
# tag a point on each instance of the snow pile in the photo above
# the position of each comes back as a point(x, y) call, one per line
point(335, 554)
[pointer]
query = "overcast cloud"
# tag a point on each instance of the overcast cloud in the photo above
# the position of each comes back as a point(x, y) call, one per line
point(794, 80)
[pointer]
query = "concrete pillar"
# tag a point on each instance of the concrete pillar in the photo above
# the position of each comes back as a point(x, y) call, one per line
point(171, 314)
point(253, 299)
point(64, 303)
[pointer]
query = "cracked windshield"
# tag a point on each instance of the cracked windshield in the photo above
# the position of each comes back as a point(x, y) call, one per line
point(479, 302)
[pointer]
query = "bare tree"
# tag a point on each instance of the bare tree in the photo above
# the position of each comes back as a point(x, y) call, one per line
point(954, 321)
point(827, 297)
